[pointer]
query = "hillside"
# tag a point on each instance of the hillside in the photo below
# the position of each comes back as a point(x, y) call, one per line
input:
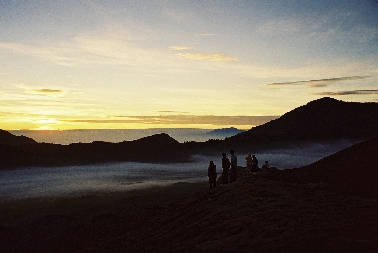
point(225, 131)
point(270, 211)
point(7, 138)
point(322, 119)
point(349, 171)
point(156, 148)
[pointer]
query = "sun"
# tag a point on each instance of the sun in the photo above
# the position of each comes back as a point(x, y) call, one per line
point(46, 124)
point(44, 128)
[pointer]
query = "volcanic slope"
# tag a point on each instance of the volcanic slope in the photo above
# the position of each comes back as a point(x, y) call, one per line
point(322, 119)
point(271, 211)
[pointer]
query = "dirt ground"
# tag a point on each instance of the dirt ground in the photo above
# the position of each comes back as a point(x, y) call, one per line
point(328, 206)
point(254, 214)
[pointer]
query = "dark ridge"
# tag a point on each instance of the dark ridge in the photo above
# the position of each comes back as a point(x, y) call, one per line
point(159, 148)
point(351, 171)
point(225, 131)
point(325, 119)
point(322, 119)
point(270, 211)
point(7, 138)
point(162, 140)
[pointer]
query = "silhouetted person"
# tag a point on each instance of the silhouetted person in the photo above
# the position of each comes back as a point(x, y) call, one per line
point(225, 168)
point(212, 174)
point(266, 165)
point(249, 163)
point(255, 164)
point(234, 164)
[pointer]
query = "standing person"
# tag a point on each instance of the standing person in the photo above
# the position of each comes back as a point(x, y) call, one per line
point(234, 163)
point(212, 174)
point(225, 168)
point(249, 163)
point(255, 164)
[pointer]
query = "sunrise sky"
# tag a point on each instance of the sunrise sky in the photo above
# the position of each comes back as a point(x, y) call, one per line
point(93, 64)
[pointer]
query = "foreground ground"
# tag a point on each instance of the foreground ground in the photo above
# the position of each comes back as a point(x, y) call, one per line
point(328, 206)
point(254, 214)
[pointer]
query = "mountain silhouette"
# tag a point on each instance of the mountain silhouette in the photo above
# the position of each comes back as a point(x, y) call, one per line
point(329, 206)
point(225, 131)
point(325, 119)
point(351, 171)
point(7, 138)
point(159, 148)
point(322, 119)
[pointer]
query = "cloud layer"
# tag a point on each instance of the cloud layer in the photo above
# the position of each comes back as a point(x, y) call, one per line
point(184, 120)
point(320, 82)
point(349, 92)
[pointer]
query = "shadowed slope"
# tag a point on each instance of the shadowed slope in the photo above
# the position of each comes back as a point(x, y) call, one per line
point(321, 119)
point(353, 170)
point(271, 212)
point(7, 138)
point(155, 148)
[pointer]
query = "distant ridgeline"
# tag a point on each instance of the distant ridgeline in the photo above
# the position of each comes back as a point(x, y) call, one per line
point(352, 170)
point(325, 119)
point(159, 148)
point(7, 138)
point(322, 119)
point(225, 131)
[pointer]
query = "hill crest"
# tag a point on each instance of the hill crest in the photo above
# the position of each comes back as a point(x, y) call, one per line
point(321, 119)
point(7, 138)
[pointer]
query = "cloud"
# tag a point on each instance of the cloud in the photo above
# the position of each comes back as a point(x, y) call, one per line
point(352, 92)
point(320, 82)
point(41, 91)
point(206, 57)
point(48, 91)
point(179, 48)
point(57, 55)
point(88, 50)
point(185, 120)
point(173, 112)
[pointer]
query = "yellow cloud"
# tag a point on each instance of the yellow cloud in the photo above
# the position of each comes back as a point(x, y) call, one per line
point(206, 57)
point(48, 91)
point(182, 120)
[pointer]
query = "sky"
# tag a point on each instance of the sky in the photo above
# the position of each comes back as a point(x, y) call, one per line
point(116, 64)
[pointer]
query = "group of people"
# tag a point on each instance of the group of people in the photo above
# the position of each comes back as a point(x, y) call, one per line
point(229, 168)
point(253, 164)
